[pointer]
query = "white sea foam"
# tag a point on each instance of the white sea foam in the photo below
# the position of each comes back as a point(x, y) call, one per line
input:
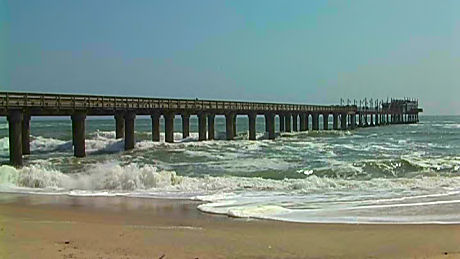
point(234, 196)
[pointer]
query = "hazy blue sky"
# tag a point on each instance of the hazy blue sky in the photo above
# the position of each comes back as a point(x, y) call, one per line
point(286, 51)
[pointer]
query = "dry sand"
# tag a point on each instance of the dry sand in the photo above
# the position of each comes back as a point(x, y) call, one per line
point(42, 226)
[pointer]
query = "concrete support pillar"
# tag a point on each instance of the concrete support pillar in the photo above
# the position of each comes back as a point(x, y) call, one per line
point(360, 119)
point(343, 122)
point(201, 126)
point(234, 125)
point(377, 123)
point(211, 118)
point(270, 121)
point(315, 121)
point(119, 125)
point(325, 121)
point(252, 126)
point(303, 122)
point(294, 122)
point(78, 122)
point(229, 121)
point(282, 122)
point(388, 119)
point(155, 126)
point(372, 119)
point(15, 118)
point(185, 125)
point(335, 121)
point(130, 139)
point(353, 121)
point(169, 127)
point(307, 118)
point(26, 134)
point(287, 122)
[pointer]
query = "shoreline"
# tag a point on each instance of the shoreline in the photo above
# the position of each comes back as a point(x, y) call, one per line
point(58, 226)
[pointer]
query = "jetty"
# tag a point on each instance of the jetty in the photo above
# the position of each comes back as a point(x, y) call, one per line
point(20, 107)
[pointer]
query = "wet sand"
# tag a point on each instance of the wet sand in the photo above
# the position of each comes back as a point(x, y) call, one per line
point(42, 226)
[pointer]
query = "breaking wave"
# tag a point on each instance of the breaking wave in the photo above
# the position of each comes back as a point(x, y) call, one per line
point(302, 200)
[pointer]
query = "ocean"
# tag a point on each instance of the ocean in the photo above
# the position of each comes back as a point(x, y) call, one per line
point(391, 174)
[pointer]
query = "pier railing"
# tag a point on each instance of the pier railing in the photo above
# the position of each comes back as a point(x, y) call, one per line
point(9, 100)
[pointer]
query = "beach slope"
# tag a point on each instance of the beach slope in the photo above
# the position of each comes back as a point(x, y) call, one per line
point(41, 226)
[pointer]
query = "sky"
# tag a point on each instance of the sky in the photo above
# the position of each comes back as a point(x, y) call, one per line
point(312, 52)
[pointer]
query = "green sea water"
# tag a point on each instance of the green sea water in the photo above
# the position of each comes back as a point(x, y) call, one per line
point(390, 174)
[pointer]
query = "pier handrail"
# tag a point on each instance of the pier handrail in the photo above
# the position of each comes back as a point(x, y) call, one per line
point(76, 101)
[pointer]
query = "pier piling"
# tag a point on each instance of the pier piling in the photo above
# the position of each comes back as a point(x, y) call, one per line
point(303, 122)
point(282, 122)
point(155, 117)
point(130, 140)
point(26, 134)
point(343, 121)
point(315, 121)
point(252, 126)
point(335, 121)
point(325, 121)
point(185, 125)
point(169, 127)
point(270, 122)
point(119, 125)
point(287, 122)
point(78, 120)
point(294, 122)
point(211, 130)
point(201, 126)
point(229, 127)
point(15, 118)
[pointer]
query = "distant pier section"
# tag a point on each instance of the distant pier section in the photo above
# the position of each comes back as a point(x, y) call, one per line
point(19, 107)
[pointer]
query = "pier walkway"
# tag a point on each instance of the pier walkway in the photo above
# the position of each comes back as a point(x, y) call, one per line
point(19, 107)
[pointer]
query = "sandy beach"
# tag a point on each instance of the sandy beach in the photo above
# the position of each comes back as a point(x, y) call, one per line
point(50, 226)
